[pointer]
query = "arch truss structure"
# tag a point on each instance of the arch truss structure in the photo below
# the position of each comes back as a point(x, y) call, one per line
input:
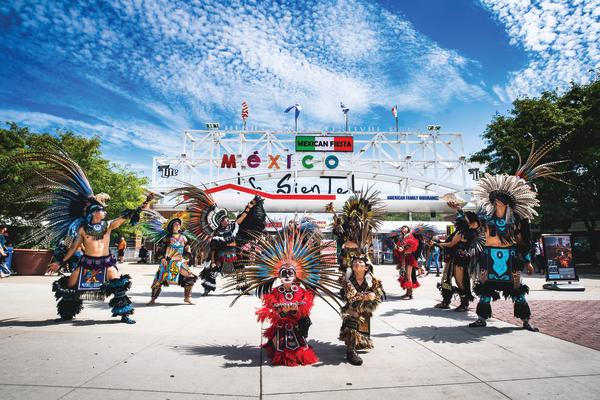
point(402, 164)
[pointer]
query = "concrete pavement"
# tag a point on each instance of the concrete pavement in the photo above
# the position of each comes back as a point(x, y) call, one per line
point(209, 350)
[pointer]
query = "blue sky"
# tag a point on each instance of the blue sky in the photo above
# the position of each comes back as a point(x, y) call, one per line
point(140, 72)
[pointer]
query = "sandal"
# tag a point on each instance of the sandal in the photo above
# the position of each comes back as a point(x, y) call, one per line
point(125, 319)
point(529, 327)
point(480, 323)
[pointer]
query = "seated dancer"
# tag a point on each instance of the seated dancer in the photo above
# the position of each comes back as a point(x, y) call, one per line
point(407, 250)
point(509, 202)
point(362, 294)
point(353, 228)
point(464, 247)
point(172, 267)
point(304, 271)
point(223, 238)
point(78, 216)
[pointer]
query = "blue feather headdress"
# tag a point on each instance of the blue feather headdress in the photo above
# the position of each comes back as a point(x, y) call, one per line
point(156, 228)
point(58, 182)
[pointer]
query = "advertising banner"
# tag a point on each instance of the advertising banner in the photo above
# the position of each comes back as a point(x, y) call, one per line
point(559, 258)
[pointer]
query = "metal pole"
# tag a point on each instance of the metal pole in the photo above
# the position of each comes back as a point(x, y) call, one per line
point(346, 119)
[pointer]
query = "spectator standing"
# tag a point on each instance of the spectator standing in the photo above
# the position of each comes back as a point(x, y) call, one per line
point(4, 267)
point(538, 251)
point(143, 254)
point(434, 260)
point(121, 249)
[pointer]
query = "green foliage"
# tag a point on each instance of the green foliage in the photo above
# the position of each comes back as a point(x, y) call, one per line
point(125, 188)
point(575, 114)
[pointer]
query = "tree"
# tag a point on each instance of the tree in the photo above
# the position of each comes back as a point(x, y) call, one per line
point(125, 188)
point(575, 117)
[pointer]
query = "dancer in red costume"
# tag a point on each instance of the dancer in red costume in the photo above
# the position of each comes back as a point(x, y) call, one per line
point(407, 250)
point(287, 308)
point(300, 265)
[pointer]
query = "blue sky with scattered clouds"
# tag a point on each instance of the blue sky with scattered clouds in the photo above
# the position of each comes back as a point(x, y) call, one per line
point(140, 72)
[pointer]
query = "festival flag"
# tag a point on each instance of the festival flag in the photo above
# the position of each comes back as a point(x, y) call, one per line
point(395, 111)
point(297, 108)
point(245, 113)
point(345, 110)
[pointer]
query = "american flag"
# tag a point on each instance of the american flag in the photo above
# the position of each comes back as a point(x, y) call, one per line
point(395, 111)
point(245, 111)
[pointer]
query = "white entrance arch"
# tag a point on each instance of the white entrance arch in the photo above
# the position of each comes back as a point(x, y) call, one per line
point(410, 169)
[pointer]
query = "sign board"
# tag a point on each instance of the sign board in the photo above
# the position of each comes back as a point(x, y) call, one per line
point(413, 197)
point(325, 143)
point(559, 258)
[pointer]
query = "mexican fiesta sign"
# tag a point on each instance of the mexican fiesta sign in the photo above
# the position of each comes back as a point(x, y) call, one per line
point(325, 143)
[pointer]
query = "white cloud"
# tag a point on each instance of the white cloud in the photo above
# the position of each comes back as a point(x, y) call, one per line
point(199, 59)
point(562, 39)
point(115, 133)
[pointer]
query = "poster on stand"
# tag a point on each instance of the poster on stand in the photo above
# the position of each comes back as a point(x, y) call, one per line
point(558, 254)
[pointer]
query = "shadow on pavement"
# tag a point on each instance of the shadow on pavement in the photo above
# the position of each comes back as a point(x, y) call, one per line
point(159, 304)
point(234, 356)
point(249, 356)
point(329, 353)
point(429, 312)
point(51, 322)
point(453, 334)
point(196, 296)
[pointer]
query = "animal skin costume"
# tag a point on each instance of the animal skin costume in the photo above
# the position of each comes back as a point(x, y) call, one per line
point(353, 229)
point(361, 300)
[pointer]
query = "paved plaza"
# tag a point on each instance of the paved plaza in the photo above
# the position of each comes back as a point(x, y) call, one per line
point(209, 350)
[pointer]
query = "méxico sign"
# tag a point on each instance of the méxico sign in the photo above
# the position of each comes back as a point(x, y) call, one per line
point(325, 143)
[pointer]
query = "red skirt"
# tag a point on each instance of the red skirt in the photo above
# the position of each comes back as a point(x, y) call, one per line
point(408, 285)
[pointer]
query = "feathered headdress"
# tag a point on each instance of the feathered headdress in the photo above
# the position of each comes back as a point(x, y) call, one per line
point(423, 231)
point(517, 191)
point(361, 215)
point(532, 170)
point(204, 215)
point(156, 227)
point(59, 181)
point(315, 269)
